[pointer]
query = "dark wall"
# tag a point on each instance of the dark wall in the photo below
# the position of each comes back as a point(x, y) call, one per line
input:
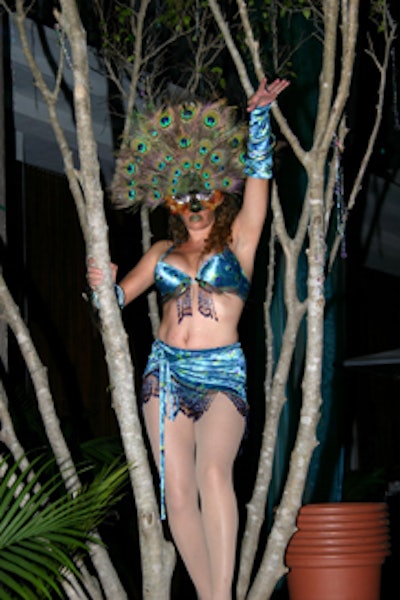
point(48, 276)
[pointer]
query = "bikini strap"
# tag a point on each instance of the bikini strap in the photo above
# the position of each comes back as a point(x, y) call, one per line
point(167, 252)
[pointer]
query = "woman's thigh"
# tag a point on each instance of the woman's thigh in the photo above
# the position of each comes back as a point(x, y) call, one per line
point(218, 433)
point(179, 445)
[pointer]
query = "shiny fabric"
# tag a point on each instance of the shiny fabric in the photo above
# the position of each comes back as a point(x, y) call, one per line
point(219, 273)
point(187, 381)
point(260, 146)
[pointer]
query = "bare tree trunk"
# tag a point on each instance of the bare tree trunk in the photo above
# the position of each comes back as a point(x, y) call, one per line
point(316, 213)
point(3, 221)
point(8, 436)
point(158, 556)
point(338, 18)
point(55, 436)
point(152, 296)
point(275, 391)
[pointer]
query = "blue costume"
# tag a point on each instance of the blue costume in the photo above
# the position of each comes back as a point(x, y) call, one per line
point(198, 157)
point(187, 380)
point(219, 273)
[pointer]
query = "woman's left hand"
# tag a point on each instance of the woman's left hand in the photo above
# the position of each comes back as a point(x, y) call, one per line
point(266, 94)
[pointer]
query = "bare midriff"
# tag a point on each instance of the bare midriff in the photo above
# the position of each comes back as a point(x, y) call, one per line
point(196, 332)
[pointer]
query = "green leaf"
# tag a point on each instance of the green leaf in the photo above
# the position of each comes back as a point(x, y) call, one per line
point(43, 527)
point(37, 581)
point(10, 584)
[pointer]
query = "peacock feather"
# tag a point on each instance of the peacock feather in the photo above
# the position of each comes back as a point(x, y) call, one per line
point(177, 149)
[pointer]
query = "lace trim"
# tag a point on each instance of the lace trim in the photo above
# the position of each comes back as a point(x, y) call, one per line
point(191, 402)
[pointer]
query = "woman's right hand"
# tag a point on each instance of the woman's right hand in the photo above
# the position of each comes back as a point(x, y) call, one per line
point(266, 94)
point(95, 276)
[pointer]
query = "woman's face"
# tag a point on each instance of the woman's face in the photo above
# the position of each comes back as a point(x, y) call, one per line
point(195, 221)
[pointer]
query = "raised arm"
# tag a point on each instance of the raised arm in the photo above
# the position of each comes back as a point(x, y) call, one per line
point(250, 220)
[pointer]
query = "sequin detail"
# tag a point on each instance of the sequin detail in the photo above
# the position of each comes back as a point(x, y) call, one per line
point(219, 273)
point(260, 146)
point(187, 381)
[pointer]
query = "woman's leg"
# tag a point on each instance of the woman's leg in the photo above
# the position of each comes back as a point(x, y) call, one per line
point(218, 436)
point(182, 501)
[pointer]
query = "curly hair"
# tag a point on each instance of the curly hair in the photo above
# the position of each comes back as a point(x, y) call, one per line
point(220, 234)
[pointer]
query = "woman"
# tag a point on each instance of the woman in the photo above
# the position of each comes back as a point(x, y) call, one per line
point(194, 395)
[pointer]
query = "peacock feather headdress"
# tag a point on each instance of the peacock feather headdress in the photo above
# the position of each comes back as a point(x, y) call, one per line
point(180, 149)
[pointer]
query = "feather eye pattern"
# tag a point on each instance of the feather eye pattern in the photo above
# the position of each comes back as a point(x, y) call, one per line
point(178, 149)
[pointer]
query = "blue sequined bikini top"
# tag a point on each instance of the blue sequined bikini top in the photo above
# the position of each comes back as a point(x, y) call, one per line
point(219, 273)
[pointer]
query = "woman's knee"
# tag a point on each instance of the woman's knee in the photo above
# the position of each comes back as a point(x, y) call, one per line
point(180, 497)
point(214, 477)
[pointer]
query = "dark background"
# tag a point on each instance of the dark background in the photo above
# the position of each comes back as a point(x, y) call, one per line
point(44, 264)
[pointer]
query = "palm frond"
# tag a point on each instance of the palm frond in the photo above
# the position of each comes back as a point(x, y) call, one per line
point(43, 528)
point(101, 451)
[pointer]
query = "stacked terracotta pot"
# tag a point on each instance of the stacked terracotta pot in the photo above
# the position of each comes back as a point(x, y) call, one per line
point(338, 551)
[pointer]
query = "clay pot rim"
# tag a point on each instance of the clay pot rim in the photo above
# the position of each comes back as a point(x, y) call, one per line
point(337, 532)
point(335, 561)
point(344, 507)
point(341, 518)
point(327, 550)
point(340, 542)
point(341, 523)
point(341, 533)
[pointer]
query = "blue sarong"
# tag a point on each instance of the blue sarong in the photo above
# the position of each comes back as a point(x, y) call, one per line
point(187, 380)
